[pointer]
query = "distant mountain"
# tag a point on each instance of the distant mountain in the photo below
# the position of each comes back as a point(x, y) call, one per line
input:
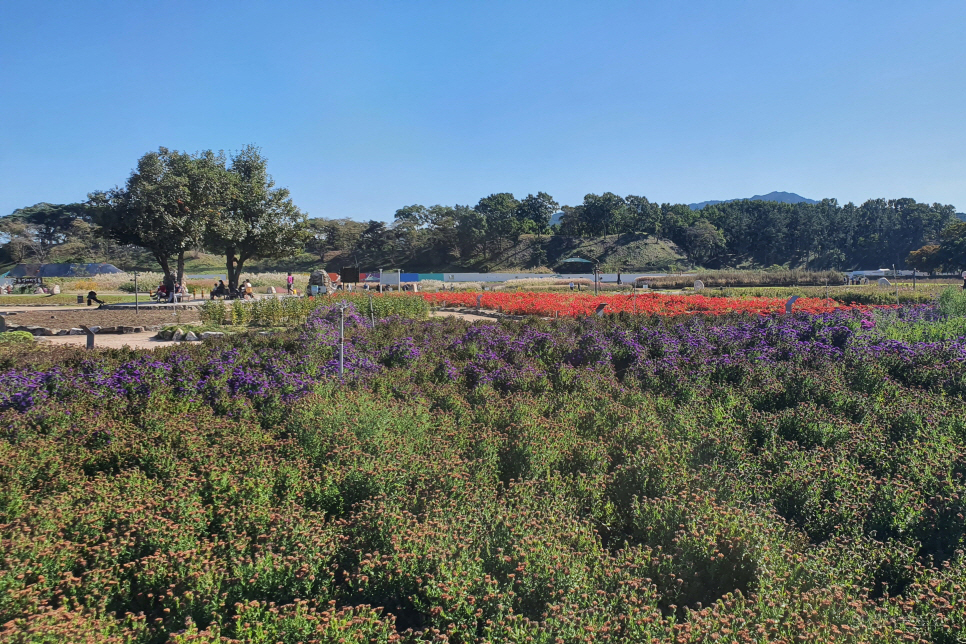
point(961, 215)
point(782, 197)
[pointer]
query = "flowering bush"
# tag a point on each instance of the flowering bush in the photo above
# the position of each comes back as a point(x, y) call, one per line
point(686, 478)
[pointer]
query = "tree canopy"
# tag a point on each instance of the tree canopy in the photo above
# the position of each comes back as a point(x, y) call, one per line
point(253, 218)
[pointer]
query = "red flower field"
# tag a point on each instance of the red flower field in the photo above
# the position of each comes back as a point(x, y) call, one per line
point(548, 304)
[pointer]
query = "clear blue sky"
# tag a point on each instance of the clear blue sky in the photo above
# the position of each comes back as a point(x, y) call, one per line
point(364, 107)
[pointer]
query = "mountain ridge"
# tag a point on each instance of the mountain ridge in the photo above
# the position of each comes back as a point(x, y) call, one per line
point(781, 197)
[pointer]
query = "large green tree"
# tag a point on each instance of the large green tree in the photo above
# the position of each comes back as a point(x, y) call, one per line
point(500, 214)
point(534, 213)
point(255, 220)
point(165, 206)
point(952, 246)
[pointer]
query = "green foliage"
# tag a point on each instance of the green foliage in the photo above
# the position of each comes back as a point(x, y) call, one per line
point(254, 219)
point(952, 302)
point(166, 204)
point(293, 311)
point(214, 312)
point(16, 337)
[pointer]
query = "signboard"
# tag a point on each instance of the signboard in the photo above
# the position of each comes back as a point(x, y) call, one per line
point(350, 275)
point(390, 278)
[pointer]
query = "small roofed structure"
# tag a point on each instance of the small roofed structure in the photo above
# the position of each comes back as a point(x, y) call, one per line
point(576, 265)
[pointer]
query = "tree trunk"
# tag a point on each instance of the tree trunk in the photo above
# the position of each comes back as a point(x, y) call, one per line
point(230, 266)
point(166, 269)
point(181, 267)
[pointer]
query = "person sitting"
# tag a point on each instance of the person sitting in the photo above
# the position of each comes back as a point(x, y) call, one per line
point(220, 290)
point(92, 297)
point(162, 293)
point(248, 292)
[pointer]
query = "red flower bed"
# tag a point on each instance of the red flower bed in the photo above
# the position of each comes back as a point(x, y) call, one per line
point(547, 304)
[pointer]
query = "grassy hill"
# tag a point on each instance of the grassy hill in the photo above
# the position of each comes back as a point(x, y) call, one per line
point(629, 253)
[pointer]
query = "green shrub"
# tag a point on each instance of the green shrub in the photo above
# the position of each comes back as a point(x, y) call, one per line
point(16, 337)
point(214, 312)
point(952, 302)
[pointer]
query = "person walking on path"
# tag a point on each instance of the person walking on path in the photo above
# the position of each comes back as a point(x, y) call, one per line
point(964, 280)
point(290, 282)
point(92, 297)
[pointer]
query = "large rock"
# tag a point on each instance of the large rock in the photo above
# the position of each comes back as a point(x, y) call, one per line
point(322, 280)
point(76, 331)
point(190, 336)
point(178, 335)
point(94, 329)
point(56, 289)
point(212, 334)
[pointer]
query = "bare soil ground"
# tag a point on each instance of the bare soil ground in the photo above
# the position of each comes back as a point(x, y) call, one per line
point(469, 317)
point(111, 340)
point(71, 318)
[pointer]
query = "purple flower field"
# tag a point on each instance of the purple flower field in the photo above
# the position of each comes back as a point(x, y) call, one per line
point(625, 478)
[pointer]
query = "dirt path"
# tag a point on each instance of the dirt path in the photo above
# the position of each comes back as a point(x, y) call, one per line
point(469, 317)
point(111, 340)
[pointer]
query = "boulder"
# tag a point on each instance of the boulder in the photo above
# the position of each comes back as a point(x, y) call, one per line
point(56, 290)
point(178, 335)
point(322, 280)
point(212, 334)
point(109, 329)
point(190, 336)
point(94, 329)
point(884, 282)
point(63, 332)
point(76, 331)
point(34, 330)
point(126, 329)
point(49, 332)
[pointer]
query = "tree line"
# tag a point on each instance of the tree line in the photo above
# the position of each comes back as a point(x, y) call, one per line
point(818, 236)
point(175, 202)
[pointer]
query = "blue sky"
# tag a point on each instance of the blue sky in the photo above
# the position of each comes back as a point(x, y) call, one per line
point(364, 107)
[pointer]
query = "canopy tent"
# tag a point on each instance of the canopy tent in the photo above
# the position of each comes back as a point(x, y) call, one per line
point(575, 265)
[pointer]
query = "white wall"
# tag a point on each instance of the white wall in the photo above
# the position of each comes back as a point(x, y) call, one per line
point(626, 278)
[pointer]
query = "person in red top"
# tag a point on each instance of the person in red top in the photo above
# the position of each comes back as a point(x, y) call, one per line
point(291, 282)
